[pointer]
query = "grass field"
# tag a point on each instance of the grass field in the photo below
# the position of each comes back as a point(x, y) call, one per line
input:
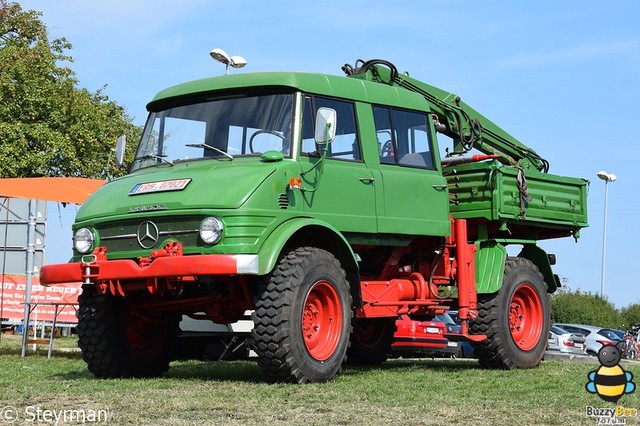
point(401, 392)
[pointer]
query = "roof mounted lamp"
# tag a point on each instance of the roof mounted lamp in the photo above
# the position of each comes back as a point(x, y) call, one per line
point(230, 61)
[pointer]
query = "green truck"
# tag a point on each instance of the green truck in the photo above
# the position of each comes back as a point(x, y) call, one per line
point(327, 206)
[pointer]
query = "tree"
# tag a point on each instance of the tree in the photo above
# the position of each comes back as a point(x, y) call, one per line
point(631, 315)
point(584, 308)
point(48, 125)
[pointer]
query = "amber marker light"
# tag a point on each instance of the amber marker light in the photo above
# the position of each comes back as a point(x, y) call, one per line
point(295, 183)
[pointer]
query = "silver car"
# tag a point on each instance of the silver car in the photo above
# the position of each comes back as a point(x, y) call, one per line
point(596, 336)
point(564, 341)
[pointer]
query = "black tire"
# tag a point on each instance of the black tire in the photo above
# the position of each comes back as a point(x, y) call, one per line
point(116, 344)
point(516, 319)
point(291, 302)
point(371, 341)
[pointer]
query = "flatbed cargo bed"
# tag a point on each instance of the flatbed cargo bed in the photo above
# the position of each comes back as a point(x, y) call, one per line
point(490, 191)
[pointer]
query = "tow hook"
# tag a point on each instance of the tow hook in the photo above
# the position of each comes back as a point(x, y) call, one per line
point(92, 259)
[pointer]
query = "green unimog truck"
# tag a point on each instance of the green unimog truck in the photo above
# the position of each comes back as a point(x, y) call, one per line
point(325, 205)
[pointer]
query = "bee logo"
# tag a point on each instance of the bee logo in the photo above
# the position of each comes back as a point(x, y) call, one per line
point(610, 381)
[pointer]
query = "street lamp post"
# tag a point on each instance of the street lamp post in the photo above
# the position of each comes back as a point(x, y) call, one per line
point(606, 177)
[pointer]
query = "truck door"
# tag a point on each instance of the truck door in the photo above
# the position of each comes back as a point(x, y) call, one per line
point(416, 199)
point(342, 189)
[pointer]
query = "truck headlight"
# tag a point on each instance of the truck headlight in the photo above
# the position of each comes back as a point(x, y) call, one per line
point(211, 230)
point(83, 240)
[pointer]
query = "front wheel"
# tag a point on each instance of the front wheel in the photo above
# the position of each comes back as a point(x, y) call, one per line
point(515, 319)
point(302, 320)
point(117, 341)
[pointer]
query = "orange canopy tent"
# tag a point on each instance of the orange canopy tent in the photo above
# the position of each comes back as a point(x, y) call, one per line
point(60, 189)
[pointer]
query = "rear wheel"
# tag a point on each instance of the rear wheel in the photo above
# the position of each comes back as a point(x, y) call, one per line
point(302, 320)
point(371, 341)
point(515, 319)
point(118, 342)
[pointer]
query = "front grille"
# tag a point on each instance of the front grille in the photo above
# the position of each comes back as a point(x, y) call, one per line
point(123, 236)
point(241, 233)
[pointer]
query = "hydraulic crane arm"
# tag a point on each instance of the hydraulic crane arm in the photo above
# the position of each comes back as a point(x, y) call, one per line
point(468, 128)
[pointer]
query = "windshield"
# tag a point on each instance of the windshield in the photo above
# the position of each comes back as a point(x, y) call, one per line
point(219, 128)
point(445, 318)
point(610, 334)
point(558, 330)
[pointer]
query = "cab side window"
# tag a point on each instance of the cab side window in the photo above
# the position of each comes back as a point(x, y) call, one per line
point(403, 137)
point(384, 133)
point(346, 145)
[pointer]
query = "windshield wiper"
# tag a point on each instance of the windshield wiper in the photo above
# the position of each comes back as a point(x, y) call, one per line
point(154, 157)
point(213, 148)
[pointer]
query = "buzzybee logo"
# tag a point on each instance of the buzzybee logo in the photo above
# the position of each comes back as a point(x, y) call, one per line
point(610, 381)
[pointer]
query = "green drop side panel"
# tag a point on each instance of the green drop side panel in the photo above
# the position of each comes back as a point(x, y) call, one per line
point(489, 190)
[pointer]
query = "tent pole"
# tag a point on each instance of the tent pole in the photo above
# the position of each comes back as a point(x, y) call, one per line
point(31, 233)
point(4, 261)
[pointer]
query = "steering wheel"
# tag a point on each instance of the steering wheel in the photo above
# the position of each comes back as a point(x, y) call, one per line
point(387, 149)
point(261, 132)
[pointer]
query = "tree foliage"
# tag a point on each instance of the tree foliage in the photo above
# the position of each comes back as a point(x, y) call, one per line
point(631, 315)
point(48, 125)
point(584, 308)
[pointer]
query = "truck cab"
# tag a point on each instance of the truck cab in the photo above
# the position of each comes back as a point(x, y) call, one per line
point(230, 152)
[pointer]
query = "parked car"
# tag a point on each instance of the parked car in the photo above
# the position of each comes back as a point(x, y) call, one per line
point(565, 341)
point(596, 337)
point(424, 338)
point(466, 348)
point(452, 325)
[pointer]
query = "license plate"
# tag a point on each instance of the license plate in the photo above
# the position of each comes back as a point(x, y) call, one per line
point(432, 330)
point(452, 344)
point(160, 186)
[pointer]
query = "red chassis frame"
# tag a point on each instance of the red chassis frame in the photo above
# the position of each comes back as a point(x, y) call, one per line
point(387, 296)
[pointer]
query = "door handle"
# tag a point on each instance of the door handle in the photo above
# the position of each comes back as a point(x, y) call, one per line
point(366, 179)
point(440, 187)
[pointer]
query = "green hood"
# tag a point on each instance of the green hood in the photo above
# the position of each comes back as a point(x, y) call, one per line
point(214, 184)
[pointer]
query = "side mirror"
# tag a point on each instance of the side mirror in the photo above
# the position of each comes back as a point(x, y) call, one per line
point(119, 151)
point(325, 130)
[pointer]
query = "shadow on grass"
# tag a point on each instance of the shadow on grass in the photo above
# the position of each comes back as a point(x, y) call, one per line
point(453, 365)
point(220, 371)
point(248, 371)
point(55, 353)
point(237, 371)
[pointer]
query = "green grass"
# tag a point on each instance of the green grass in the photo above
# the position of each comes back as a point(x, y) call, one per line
point(401, 392)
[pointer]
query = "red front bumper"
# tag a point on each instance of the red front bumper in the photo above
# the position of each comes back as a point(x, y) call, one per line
point(161, 267)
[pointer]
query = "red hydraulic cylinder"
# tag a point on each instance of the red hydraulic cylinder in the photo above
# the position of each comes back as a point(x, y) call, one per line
point(466, 274)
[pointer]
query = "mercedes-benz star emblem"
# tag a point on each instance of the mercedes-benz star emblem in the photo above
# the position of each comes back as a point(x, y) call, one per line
point(147, 234)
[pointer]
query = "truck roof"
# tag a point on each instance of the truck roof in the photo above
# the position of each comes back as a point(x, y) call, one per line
point(321, 84)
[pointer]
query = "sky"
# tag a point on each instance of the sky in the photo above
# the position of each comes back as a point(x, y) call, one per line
point(562, 77)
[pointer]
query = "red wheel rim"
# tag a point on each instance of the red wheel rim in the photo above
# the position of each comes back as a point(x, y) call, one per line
point(144, 338)
point(526, 317)
point(321, 320)
point(368, 333)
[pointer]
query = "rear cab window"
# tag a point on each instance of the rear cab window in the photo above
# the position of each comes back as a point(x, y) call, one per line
point(403, 137)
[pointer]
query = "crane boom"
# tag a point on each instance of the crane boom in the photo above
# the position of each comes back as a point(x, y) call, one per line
point(454, 118)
